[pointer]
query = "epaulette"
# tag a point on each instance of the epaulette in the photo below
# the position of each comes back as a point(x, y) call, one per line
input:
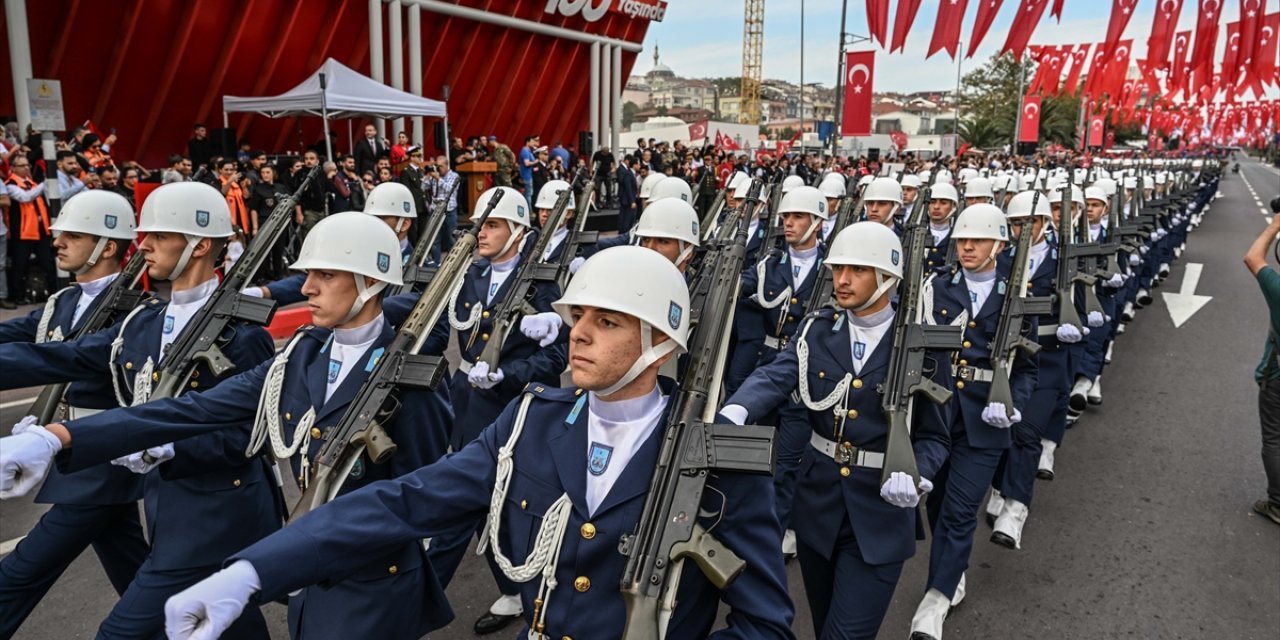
point(825, 313)
point(319, 333)
point(154, 301)
point(554, 394)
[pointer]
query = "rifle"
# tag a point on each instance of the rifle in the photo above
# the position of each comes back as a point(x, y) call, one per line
point(1009, 339)
point(416, 271)
point(516, 303)
point(200, 340)
point(1067, 264)
point(668, 530)
point(401, 365)
point(122, 295)
point(709, 226)
point(1081, 252)
point(579, 235)
point(912, 336)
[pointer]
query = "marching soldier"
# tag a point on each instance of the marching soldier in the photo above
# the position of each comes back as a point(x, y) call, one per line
point(295, 403)
point(972, 296)
point(910, 189)
point(943, 202)
point(883, 200)
point(858, 532)
point(202, 503)
point(559, 477)
point(98, 506)
point(978, 191)
point(544, 204)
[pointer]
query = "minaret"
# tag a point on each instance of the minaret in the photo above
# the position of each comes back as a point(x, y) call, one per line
point(655, 55)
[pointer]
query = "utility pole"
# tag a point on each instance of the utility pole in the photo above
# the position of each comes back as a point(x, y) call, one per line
point(959, 62)
point(1017, 126)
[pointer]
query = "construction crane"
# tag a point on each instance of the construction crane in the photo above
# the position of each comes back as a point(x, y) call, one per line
point(752, 54)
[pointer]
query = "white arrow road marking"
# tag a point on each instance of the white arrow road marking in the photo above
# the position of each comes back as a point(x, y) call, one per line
point(1186, 303)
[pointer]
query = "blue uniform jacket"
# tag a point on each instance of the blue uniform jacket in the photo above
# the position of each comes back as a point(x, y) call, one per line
point(951, 298)
point(102, 484)
point(783, 320)
point(935, 254)
point(550, 460)
point(522, 360)
point(394, 595)
point(885, 533)
point(206, 502)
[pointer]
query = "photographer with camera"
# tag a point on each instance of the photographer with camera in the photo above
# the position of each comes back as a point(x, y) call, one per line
point(1268, 372)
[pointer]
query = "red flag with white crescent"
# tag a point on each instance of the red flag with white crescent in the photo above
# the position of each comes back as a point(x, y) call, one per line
point(1097, 126)
point(1180, 67)
point(1231, 58)
point(1251, 18)
point(1029, 123)
point(1121, 13)
point(946, 27)
point(1079, 58)
point(1162, 27)
point(987, 10)
point(698, 130)
point(1024, 24)
point(878, 19)
point(1206, 40)
point(859, 69)
point(907, 10)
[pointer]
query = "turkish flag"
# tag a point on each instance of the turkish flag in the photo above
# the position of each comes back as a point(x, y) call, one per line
point(859, 70)
point(1056, 11)
point(1093, 85)
point(1180, 66)
point(987, 10)
point(878, 19)
point(907, 10)
point(1251, 18)
point(1097, 125)
point(1121, 12)
point(1079, 58)
point(1117, 69)
point(1264, 55)
point(1055, 63)
point(1029, 123)
point(899, 139)
point(1231, 58)
point(1162, 27)
point(946, 28)
point(697, 130)
point(1024, 24)
point(1206, 35)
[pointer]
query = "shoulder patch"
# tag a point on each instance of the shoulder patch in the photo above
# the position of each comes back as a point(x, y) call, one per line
point(554, 394)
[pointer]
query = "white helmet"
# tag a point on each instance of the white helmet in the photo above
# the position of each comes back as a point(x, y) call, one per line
point(967, 174)
point(351, 242)
point(646, 187)
point(883, 190)
point(671, 188)
point(98, 212)
point(512, 207)
point(980, 188)
point(194, 209)
point(832, 186)
point(982, 222)
point(1096, 193)
point(1074, 194)
point(1000, 182)
point(391, 199)
point(550, 193)
point(869, 244)
point(1131, 182)
point(1020, 205)
point(791, 182)
point(944, 192)
point(738, 179)
point(806, 200)
point(911, 181)
point(866, 180)
point(742, 186)
point(639, 283)
point(1053, 183)
point(670, 218)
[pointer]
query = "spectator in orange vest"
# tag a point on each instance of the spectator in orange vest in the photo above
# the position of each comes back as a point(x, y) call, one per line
point(233, 188)
point(32, 221)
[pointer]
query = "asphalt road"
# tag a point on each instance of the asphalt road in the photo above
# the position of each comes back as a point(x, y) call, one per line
point(1146, 532)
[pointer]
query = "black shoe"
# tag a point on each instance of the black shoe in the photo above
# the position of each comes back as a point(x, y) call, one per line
point(492, 623)
point(6, 303)
point(991, 520)
point(1268, 510)
point(1044, 474)
point(920, 635)
point(1003, 540)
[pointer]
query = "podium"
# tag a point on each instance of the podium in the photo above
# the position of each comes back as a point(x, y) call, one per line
point(476, 176)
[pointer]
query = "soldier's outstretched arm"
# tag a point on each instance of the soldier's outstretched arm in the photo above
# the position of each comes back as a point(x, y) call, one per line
point(770, 386)
point(21, 329)
point(29, 364)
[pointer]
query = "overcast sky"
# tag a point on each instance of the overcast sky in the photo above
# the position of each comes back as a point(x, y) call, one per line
point(703, 38)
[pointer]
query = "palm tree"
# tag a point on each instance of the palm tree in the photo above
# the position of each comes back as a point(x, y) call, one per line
point(979, 131)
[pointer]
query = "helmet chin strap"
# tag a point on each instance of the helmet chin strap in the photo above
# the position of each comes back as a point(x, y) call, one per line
point(991, 257)
point(886, 282)
point(94, 256)
point(649, 355)
point(512, 238)
point(364, 293)
point(813, 226)
point(192, 241)
point(686, 250)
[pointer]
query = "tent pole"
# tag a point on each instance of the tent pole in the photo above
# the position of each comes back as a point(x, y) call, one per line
point(448, 137)
point(375, 55)
point(396, 29)
point(415, 69)
point(324, 116)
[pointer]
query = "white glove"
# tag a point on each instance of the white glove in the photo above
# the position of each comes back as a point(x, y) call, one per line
point(205, 609)
point(252, 292)
point(735, 413)
point(482, 378)
point(1134, 260)
point(925, 485)
point(1115, 281)
point(543, 327)
point(25, 458)
point(1095, 319)
point(1144, 248)
point(899, 492)
point(576, 264)
point(1161, 233)
point(996, 416)
point(1068, 333)
point(136, 464)
point(24, 424)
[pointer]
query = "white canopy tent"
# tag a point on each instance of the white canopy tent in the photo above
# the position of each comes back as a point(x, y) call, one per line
point(337, 91)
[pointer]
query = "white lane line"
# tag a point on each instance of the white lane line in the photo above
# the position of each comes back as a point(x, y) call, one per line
point(17, 403)
point(8, 545)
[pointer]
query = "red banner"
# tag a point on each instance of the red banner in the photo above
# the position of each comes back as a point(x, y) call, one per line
point(946, 28)
point(907, 10)
point(859, 74)
point(1097, 126)
point(1029, 123)
point(1264, 57)
point(899, 139)
point(1024, 24)
point(878, 19)
point(698, 130)
point(1206, 37)
point(1079, 58)
point(1162, 28)
point(1121, 12)
point(1251, 19)
point(1180, 67)
point(1231, 58)
point(987, 10)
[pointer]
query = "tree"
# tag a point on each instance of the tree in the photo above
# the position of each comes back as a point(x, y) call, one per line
point(980, 132)
point(661, 111)
point(991, 100)
point(629, 110)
